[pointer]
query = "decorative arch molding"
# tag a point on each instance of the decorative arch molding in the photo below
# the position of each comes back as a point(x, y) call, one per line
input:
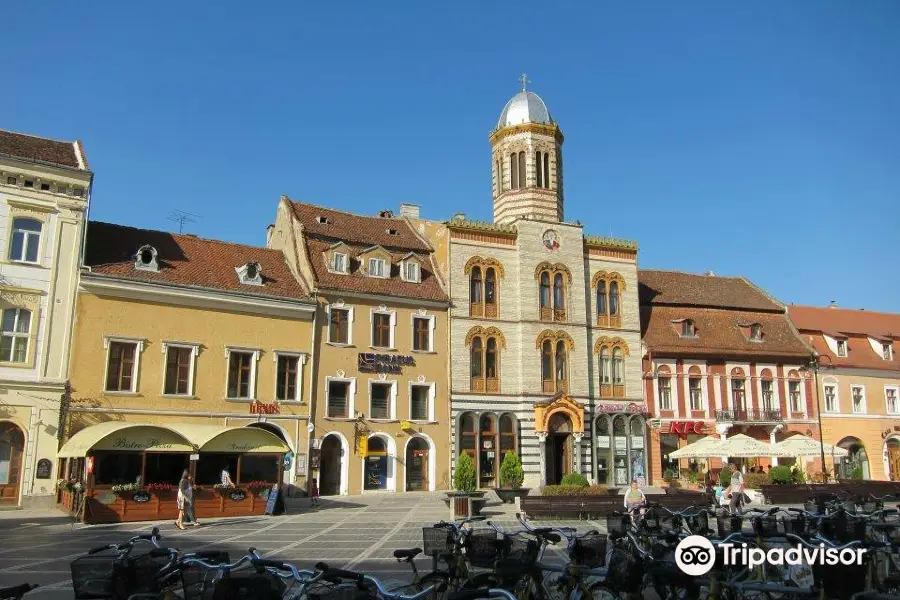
point(561, 404)
point(611, 342)
point(486, 332)
point(554, 336)
point(484, 263)
point(608, 276)
point(553, 269)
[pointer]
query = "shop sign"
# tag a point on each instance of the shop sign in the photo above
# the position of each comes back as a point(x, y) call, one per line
point(315, 458)
point(301, 464)
point(43, 469)
point(131, 444)
point(384, 363)
point(603, 441)
point(237, 495)
point(141, 497)
point(631, 407)
point(362, 446)
point(407, 425)
point(685, 427)
point(234, 446)
point(621, 443)
point(195, 457)
point(637, 442)
point(262, 408)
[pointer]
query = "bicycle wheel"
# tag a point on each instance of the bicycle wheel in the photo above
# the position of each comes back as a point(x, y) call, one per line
point(600, 591)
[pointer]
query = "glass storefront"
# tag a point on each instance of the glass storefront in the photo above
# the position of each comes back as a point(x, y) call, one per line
point(621, 449)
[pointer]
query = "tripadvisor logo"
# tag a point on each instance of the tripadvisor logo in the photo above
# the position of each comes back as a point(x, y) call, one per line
point(695, 555)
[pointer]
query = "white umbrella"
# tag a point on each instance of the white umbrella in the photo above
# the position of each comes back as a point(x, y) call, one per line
point(800, 445)
point(743, 446)
point(697, 449)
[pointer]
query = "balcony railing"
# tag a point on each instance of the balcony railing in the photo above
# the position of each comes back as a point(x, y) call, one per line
point(749, 416)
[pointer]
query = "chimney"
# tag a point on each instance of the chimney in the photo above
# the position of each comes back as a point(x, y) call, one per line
point(832, 304)
point(269, 230)
point(409, 210)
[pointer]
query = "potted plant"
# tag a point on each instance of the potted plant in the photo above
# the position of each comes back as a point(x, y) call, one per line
point(258, 487)
point(511, 478)
point(123, 489)
point(161, 488)
point(464, 483)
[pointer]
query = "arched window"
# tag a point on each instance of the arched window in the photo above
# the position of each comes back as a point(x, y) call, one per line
point(559, 293)
point(5, 462)
point(508, 434)
point(484, 370)
point(738, 391)
point(554, 347)
point(547, 366)
point(545, 291)
point(377, 445)
point(490, 292)
point(487, 452)
point(618, 367)
point(609, 287)
point(605, 367)
point(561, 366)
point(538, 170)
point(491, 362)
point(522, 170)
point(476, 306)
point(467, 434)
point(604, 450)
point(513, 172)
point(477, 360)
point(612, 352)
point(547, 170)
point(552, 279)
point(499, 175)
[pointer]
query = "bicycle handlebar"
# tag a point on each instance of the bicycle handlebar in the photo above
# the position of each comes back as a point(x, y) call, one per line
point(831, 544)
point(152, 538)
point(362, 578)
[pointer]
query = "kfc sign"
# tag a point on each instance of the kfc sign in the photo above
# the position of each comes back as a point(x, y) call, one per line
point(685, 427)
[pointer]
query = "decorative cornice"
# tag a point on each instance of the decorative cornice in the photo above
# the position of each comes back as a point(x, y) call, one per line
point(463, 223)
point(609, 242)
point(486, 332)
point(554, 336)
point(553, 269)
point(608, 276)
point(611, 342)
point(548, 129)
point(484, 263)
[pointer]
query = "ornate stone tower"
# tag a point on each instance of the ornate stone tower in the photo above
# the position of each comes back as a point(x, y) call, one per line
point(526, 148)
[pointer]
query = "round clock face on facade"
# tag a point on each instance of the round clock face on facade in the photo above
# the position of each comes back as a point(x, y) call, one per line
point(551, 240)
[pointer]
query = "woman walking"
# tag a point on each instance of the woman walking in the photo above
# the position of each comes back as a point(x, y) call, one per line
point(183, 499)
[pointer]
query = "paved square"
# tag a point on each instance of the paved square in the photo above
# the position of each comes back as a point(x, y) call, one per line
point(358, 533)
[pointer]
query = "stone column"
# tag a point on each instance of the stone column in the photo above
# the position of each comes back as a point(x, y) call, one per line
point(722, 430)
point(576, 448)
point(542, 444)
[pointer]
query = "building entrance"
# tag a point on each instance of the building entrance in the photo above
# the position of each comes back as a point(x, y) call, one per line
point(559, 456)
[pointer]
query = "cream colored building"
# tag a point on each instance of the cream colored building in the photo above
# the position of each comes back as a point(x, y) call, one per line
point(44, 189)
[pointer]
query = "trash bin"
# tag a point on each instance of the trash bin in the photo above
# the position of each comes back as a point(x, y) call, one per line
point(461, 507)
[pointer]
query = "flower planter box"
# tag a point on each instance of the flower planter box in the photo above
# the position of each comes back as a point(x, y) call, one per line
point(509, 495)
point(102, 506)
point(593, 507)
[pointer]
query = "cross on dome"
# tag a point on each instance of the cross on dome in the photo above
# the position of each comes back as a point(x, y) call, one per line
point(525, 81)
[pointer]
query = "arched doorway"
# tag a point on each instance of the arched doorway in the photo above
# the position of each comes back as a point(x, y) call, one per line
point(12, 447)
point(417, 465)
point(892, 458)
point(376, 470)
point(560, 448)
point(854, 464)
point(331, 466)
point(487, 455)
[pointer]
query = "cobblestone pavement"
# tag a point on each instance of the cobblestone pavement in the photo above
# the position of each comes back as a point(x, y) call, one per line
point(359, 533)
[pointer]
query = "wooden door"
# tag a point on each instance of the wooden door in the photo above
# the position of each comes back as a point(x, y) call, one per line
point(417, 470)
point(12, 448)
point(568, 458)
point(330, 470)
point(894, 462)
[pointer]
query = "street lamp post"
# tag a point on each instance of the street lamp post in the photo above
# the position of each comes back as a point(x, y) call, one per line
point(815, 365)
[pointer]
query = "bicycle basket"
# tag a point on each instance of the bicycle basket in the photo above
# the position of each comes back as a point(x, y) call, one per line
point(622, 573)
point(699, 523)
point(520, 548)
point(144, 573)
point(841, 581)
point(197, 581)
point(436, 540)
point(765, 526)
point(795, 524)
point(93, 576)
point(589, 551)
point(670, 523)
point(728, 524)
point(617, 523)
point(247, 586)
point(482, 548)
point(844, 529)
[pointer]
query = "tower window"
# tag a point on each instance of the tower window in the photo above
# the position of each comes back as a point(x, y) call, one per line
point(538, 170)
point(517, 170)
point(547, 170)
point(522, 170)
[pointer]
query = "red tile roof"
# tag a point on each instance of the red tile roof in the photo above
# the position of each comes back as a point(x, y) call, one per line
point(362, 232)
point(31, 147)
point(187, 260)
point(854, 325)
point(676, 288)
point(722, 309)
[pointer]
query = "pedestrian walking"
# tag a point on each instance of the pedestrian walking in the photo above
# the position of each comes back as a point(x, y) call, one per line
point(182, 498)
point(736, 490)
point(189, 502)
point(314, 492)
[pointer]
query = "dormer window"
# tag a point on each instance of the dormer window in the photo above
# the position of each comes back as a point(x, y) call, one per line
point(339, 262)
point(842, 348)
point(756, 332)
point(377, 267)
point(145, 259)
point(392, 232)
point(687, 328)
point(250, 273)
point(322, 220)
point(886, 351)
point(411, 271)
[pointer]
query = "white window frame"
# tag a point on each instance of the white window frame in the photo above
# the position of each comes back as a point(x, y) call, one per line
point(254, 371)
point(392, 400)
point(887, 407)
point(800, 390)
point(774, 401)
point(301, 363)
point(863, 395)
point(837, 400)
point(195, 350)
point(405, 275)
point(333, 266)
point(890, 351)
point(16, 335)
point(382, 310)
point(841, 343)
point(659, 391)
point(699, 378)
point(385, 269)
point(351, 397)
point(431, 394)
point(340, 305)
point(758, 329)
point(431, 324)
point(135, 370)
point(26, 235)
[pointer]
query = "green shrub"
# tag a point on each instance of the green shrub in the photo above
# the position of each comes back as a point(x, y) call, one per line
point(797, 475)
point(781, 475)
point(725, 477)
point(670, 474)
point(576, 479)
point(857, 474)
point(752, 481)
point(573, 490)
point(511, 473)
point(692, 476)
point(464, 477)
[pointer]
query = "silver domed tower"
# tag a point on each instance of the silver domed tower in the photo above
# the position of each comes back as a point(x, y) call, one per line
point(527, 161)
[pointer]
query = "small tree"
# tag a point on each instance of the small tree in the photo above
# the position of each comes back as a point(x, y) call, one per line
point(725, 477)
point(856, 474)
point(464, 477)
point(576, 479)
point(781, 474)
point(511, 473)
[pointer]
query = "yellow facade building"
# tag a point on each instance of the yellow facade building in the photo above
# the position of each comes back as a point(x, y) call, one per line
point(179, 339)
point(381, 411)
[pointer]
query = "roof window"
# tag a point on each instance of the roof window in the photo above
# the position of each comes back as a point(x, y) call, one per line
point(756, 332)
point(688, 329)
point(146, 259)
point(322, 220)
point(250, 273)
point(392, 232)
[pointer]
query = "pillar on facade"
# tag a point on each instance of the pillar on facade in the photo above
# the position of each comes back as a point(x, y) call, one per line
point(773, 441)
point(722, 430)
point(542, 445)
point(576, 448)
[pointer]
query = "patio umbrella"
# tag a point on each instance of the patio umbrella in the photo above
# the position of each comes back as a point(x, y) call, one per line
point(800, 445)
point(697, 449)
point(743, 446)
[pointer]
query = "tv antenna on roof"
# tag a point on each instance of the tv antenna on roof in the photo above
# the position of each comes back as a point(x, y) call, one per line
point(181, 217)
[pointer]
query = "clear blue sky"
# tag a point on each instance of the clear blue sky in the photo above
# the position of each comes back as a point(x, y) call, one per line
point(748, 138)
